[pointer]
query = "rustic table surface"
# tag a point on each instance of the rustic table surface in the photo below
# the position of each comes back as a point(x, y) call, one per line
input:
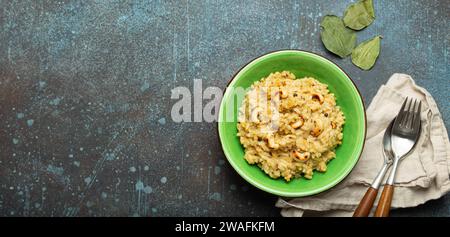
point(85, 124)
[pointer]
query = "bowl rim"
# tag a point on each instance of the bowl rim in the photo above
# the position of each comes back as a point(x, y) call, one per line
point(283, 193)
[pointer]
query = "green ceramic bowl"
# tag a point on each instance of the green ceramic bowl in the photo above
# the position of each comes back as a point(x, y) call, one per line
point(302, 64)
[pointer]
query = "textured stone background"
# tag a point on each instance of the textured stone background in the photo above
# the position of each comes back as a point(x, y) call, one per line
point(85, 127)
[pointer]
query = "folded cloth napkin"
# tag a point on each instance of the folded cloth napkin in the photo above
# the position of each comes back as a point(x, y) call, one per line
point(422, 176)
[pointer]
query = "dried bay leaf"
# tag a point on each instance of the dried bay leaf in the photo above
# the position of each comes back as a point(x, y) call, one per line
point(337, 38)
point(359, 15)
point(366, 53)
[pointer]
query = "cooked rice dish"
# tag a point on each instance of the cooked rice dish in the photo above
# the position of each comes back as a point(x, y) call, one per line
point(290, 127)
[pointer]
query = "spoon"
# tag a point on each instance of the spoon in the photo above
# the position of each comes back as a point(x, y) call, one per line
point(366, 203)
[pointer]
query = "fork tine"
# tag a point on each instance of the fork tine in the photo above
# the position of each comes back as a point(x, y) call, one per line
point(403, 105)
point(405, 117)
point(401, 113)
point(420, 107)
point(411, 115)
point(416, 122)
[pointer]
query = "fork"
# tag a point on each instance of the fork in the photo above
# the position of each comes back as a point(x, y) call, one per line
point(404, 136)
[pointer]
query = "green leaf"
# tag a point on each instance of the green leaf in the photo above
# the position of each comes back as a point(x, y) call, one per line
point(365, 54)
point(337, 38)
point(359, 15)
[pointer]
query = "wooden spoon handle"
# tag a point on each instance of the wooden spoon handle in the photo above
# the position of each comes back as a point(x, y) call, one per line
point(384, 205)
point(366, 203)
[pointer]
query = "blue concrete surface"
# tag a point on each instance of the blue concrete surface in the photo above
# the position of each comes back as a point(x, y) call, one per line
point(85, 97)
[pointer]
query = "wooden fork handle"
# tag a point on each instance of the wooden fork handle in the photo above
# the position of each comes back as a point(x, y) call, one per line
point(366, 203)
point(384, 205)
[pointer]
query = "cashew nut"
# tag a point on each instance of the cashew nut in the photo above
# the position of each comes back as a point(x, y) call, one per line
point(297, 124)
point(333, 124)
point(317, 129)
point(304, 156)
point(318, 97)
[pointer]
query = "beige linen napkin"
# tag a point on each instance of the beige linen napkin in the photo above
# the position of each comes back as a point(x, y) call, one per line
point(422, 176)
